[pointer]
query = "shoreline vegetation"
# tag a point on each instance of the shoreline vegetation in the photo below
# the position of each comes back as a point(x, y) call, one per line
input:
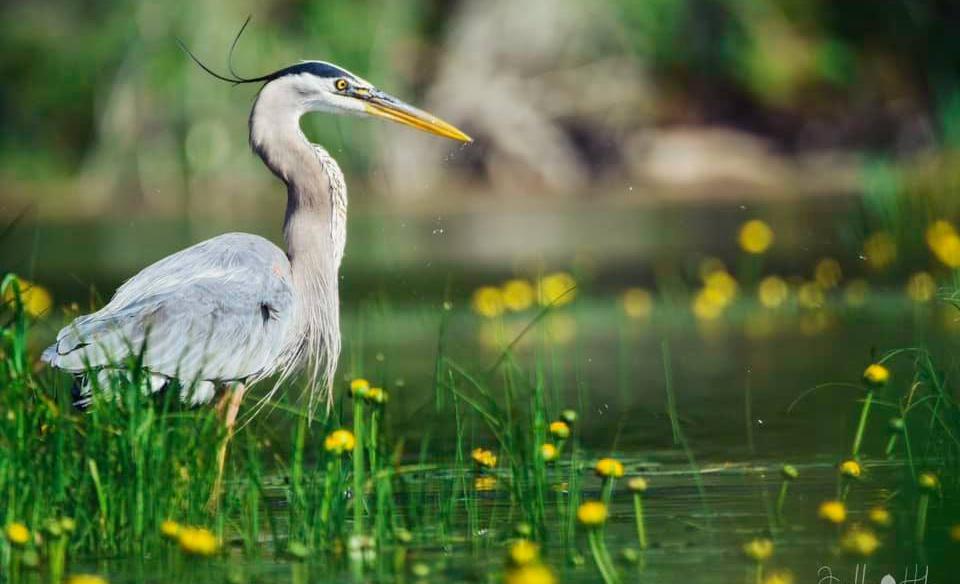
point(130, 477)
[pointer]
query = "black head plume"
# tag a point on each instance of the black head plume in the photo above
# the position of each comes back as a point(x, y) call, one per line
point(235, 79)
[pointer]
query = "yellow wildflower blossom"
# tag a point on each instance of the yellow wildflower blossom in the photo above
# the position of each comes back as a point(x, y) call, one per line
point(198, 541)
point(339, 441)
point(17, 534)
point(755, 237)
point(549, 452)
point(86, 579)
point(637, 484)
point(759, 549)
point(876, 375)
point(928, 481)
point(708, 304)
point(359, 387)
point(850, 469)
point(523, 552)
point(592, 513)
point(833, 511)
point(860, 541)
point(484, 458)
point(722, 284)
point(557, 289)
point(880, 516)
point(170, 529)
point(772, 291)
point(485, 483)
point(517, 295)
point(609, 468)
point(377, 396)
point(488, 301)
point(779, 577)
point(944, 242)
point(559, 430)
point(530, 574)
point(637, 303)
point(37, 300)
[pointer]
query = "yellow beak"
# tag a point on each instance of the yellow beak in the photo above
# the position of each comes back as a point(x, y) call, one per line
point(385, 106)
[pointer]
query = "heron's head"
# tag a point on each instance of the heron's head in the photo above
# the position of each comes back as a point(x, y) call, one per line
point(318, 86)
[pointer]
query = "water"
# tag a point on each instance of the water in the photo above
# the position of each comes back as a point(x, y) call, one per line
point(734, 384)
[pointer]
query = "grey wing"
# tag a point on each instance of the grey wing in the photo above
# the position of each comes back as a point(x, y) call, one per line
point(218, 311)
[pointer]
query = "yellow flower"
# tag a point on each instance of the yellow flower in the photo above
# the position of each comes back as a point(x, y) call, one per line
point(880, 516)
point(377, 396)
point(876, 375)
point(557, 289)
point(488, 301)
point(928, 481)
point(759, 549)
point(833, 511)
point(943, 241)
point(637, 484)
point(856, 293)
point(170, 529)
point(779, 578)
point(559, 430)
point(827, 273)
point(592, 513)
point(723, 285)
point(708, 304)
point(485, 483)
point(755, 236)
point(859, 541)
point(955, 532)
point(772, 291)
point(198, 541)
point(530, 574)
point(339, 441)
point(523, 552)
point(517, 295)
point(880, 250)
point(36, 299)
point(18, 534)
point(484, 458)
point(359, 387)
point(609, 468)
point(549, 452)
point(850, 469)
point(637, 303)
point(86, 579)
point(921, 287)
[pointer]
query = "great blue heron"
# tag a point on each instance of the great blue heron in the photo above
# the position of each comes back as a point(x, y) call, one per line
point(235, 309)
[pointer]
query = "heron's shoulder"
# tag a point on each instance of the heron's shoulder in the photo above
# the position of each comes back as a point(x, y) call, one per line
point(239, 250)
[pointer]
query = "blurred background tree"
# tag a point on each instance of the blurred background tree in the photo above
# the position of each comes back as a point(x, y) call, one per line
point(592, 105)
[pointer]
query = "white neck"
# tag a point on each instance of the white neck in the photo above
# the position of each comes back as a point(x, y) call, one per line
point(314, 226)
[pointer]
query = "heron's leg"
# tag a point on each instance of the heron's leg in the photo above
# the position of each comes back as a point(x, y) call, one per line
point(229, 406)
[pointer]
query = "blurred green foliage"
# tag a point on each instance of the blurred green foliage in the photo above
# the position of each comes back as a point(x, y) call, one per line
point(768, 67)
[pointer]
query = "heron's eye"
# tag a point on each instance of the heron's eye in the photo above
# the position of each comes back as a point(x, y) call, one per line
point(341, 84)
